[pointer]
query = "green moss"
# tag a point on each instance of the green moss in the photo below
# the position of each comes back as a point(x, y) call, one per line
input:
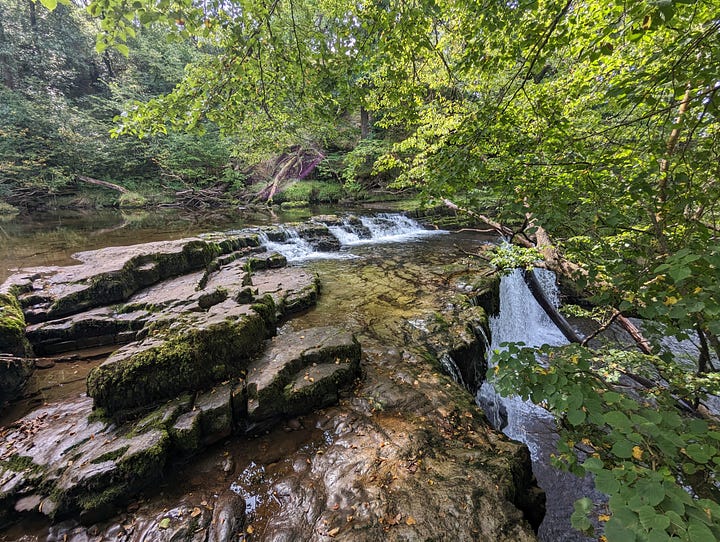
point(311, 192)
point(190, 360)
point(20, 463)
point(12, 327)
point(111, 456)
point(132, 199)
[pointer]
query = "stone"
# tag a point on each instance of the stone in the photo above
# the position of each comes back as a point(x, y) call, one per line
point(14, 374)
point(75, 463)
point(188, 353)
point(216, 413)
point(228, 518)
point(300, 371)
point(12, 327)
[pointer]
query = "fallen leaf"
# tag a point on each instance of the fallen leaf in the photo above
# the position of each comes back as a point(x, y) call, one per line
point(335, 506)
point(195, 512)
point(250, 529)
point(333, 532)
point(410, 520)
point(349, 519)
point(164, 524)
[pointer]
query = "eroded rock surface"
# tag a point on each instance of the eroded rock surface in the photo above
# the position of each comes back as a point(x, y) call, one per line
point(64, 459)
point(405, 455)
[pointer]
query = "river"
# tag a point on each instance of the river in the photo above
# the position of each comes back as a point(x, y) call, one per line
point(382, 289)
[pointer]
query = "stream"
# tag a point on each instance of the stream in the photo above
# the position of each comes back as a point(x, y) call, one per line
point(381, 288)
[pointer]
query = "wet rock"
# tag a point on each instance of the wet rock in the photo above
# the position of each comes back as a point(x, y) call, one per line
point(14, 374)
point(12, 327)
point(228, 518)
point(113, 274)
point(191, 352)
point(186, 433)
point(301, 371)
point(70, 462)
point(97, 327)
point(216, 414)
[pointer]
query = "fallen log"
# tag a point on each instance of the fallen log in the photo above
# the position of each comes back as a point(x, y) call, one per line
point(558, 319)
point(105, 184)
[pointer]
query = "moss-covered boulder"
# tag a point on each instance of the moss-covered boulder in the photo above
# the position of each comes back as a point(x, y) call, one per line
point(12, 327)
point(191, 353)
point(299, 372)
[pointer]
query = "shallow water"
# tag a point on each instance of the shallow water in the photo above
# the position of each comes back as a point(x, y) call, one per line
point(379, 293)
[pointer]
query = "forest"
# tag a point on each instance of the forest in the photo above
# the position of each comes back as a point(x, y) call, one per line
point(586, 133)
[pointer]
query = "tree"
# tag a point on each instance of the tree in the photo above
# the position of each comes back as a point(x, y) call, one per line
point(595, 121)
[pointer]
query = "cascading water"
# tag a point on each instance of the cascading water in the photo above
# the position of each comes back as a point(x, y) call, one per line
point(521, 319)
point(293, 247)
point(381, 228)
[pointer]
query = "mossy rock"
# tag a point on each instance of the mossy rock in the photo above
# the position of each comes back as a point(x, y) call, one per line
point(12, 327)
point(184, 357)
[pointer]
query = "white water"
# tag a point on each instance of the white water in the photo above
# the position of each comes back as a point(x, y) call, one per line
point(381, 228)
point(295, 248)
point(521, 319)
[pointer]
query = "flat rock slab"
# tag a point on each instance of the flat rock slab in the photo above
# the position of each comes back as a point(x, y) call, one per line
point(113, 274)
point(301, 371)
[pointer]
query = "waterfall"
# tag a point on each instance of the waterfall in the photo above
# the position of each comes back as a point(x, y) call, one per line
point(381, 228)
point(521, 319)
point(293, 247)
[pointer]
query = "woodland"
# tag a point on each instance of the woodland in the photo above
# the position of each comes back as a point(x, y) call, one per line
point(584, 132)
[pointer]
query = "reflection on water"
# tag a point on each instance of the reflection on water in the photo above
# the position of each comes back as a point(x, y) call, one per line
point(51, 238)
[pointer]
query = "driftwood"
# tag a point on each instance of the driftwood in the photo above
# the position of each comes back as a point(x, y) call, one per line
point(104, 184)
point(558, 319)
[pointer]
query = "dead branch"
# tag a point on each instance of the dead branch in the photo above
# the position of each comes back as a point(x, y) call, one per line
point(105, 184)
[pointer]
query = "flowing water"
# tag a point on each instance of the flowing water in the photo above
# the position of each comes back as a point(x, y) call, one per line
point(521, 319)
point(390, 276)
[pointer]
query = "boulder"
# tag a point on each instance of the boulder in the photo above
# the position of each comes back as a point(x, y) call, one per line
point(14, 374)
point(301, 371)
point(12, 327)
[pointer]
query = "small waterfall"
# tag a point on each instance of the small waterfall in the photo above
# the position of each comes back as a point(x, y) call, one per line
point(381, 228)
point(521, 319)
point(451, 368)
point(293, 247)
point(350, 232)
point(388, 227)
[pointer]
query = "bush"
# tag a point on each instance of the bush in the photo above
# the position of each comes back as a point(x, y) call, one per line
point(311, 191)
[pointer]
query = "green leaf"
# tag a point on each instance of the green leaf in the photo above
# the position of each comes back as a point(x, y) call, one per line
point(49, 4)
point(576, 417)
point(651, 519)
point(606, 482)
point(616, 532)
point(623, 449)
point(698, 531)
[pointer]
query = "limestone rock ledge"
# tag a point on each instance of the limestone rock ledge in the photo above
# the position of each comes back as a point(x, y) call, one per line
point(65, 459)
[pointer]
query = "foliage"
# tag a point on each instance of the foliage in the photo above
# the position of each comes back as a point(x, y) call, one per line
point(657, 466)
point(506, 257)
point(311, 192)
point(597, 120)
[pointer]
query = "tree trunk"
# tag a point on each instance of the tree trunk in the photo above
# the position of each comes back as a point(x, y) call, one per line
point(105, 184)
point(364, 123)
point(558, 319)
